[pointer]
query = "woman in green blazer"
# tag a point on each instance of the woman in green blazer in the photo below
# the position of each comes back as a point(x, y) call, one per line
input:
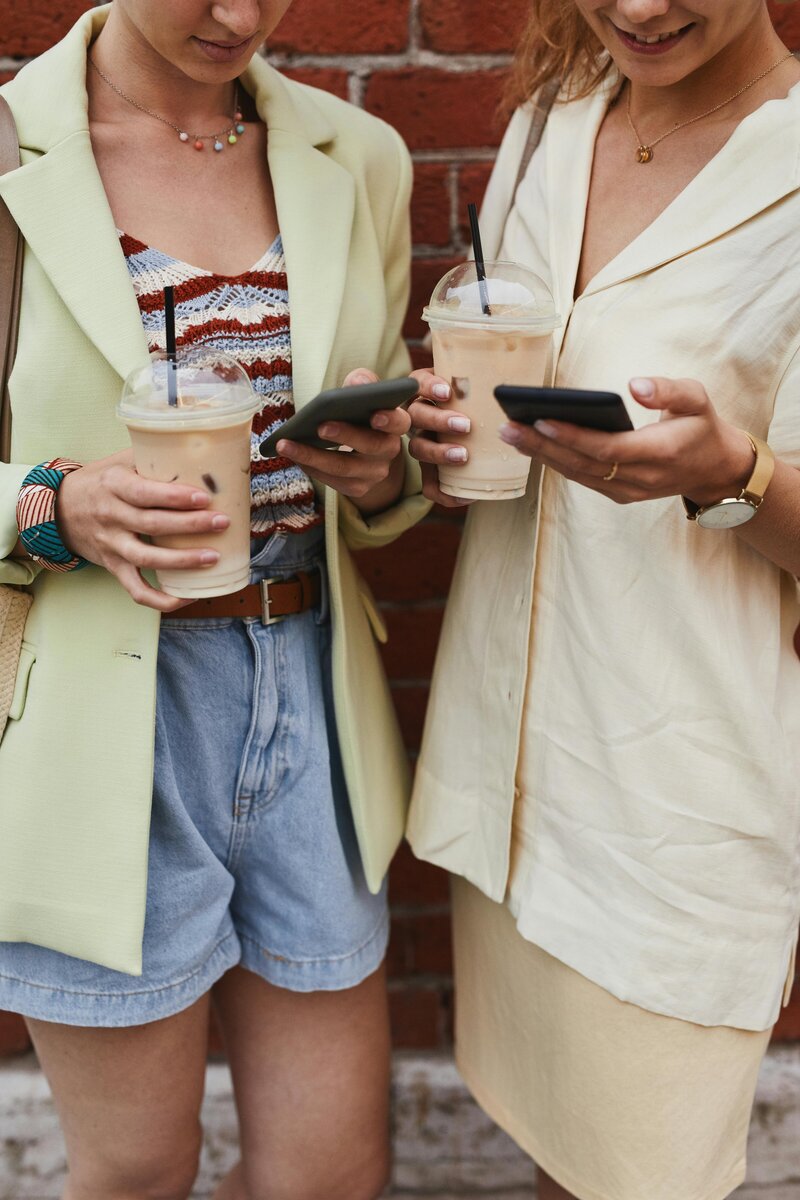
point(257, 767)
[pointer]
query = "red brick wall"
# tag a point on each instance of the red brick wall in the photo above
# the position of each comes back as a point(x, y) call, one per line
point(433, 68)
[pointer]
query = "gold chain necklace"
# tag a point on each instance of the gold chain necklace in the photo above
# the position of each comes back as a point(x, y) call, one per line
point(644, 151)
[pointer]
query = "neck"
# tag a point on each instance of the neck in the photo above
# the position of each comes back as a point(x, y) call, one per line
point(132, 64)
point(741, 61)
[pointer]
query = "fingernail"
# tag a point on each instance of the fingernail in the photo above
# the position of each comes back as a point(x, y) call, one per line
point(544, 428)
point(643, 387)
point(510, 434)
point(199, 498)
point(327, 431)
point(220, 521)
point(459, 424)
point(441, 391)
point(209, 556)
point(456, 454)
point(380, 421)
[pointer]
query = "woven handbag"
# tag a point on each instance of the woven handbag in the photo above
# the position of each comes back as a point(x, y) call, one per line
point(14, 603)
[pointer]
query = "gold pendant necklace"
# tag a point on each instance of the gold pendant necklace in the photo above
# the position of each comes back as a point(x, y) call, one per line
point(644, 150)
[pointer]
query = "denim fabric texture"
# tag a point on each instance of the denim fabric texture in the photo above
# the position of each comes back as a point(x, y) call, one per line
point(253, 857)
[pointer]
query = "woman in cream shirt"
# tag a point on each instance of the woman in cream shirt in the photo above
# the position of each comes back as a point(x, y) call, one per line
point(192, 806)
point(620, 798)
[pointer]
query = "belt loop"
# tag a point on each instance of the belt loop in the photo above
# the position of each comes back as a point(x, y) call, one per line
point(304, 579)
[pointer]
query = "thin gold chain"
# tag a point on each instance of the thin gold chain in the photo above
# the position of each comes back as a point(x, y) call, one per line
point(644, 154)
point(203, 137)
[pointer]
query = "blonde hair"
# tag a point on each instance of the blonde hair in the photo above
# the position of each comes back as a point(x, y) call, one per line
point(556, 44)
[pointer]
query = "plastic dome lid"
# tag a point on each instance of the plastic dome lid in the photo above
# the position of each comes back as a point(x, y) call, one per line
point(517, 298)
point(209, 385)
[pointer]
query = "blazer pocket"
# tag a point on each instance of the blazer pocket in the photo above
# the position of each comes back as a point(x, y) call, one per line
point(26, 660)
point(373, 612)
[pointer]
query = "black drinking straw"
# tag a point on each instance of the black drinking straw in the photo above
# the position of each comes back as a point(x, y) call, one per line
point(477, 250)
point(172, 357)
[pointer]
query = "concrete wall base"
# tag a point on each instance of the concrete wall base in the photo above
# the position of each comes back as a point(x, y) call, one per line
point(444, 1146)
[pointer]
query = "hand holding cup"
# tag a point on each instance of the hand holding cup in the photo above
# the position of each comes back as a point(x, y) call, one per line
point(105, 509)
point(432, 434)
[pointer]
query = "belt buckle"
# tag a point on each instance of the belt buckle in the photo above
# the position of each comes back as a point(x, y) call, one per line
point(266, 619)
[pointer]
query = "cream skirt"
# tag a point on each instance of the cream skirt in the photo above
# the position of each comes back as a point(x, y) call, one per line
point(615, 1103)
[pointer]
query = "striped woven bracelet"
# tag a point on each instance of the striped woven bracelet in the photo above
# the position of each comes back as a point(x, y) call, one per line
point(36, 520)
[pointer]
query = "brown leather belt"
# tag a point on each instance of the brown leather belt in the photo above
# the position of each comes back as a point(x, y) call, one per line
point(271, 599)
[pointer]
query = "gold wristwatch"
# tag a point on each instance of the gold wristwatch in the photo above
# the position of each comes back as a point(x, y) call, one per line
point(735, 510)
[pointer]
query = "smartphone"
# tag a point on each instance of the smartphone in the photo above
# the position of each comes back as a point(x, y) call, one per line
point(596, 410)
point(355, 405)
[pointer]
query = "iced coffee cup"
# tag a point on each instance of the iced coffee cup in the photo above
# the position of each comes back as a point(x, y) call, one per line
point(189, 422)
point(475, 350)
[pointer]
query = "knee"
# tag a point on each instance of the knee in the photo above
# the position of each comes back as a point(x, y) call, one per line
point(358, 1180)
point(149, 1175)
point(362, 1181)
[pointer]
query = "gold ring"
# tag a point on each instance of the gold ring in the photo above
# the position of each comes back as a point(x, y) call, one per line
point(614, 468)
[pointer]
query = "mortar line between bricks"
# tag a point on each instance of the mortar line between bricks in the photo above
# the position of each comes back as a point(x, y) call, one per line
point(374, 63)
point(356, 86)
point(414, 27)
point(458, 156)
point(452, 185)
point(428, 250)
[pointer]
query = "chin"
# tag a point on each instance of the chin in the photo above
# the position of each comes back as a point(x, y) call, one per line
point(215, 73)
point(655, 73)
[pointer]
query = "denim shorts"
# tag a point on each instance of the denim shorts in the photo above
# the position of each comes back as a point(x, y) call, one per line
point(253, 855)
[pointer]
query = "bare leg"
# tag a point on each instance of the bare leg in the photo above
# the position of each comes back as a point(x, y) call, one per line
point(128, 1101)
point(548, 1189)
point(311, 1077)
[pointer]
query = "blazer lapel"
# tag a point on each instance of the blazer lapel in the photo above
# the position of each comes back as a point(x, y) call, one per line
point(60, 205)
point(58, 200)
point(315, 200)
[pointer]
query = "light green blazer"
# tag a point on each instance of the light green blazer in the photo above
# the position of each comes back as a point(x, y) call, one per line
point(76, 760)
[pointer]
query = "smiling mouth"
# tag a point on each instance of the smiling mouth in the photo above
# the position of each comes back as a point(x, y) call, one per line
point(654, 38)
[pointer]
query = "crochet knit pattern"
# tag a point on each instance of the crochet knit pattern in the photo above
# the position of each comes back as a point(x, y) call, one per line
point(247, 316)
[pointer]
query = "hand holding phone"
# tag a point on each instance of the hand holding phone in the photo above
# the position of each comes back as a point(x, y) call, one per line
point(350, 405)
point(593, 410)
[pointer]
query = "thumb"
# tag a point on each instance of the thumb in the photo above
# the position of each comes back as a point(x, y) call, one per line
point(359, 376)
point(676, 397)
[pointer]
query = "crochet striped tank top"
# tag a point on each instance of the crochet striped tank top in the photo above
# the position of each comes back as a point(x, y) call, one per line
point(247, 316)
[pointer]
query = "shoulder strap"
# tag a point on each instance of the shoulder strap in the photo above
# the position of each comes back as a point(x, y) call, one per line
point(541, 111)
point(10, 277)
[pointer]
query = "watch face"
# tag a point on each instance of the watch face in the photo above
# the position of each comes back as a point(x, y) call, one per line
point(727, 514)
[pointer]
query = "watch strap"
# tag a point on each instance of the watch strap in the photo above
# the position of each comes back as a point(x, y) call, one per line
point(762, 474)
point(753, 491)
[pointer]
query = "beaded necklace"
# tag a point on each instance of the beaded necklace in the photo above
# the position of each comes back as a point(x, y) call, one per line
point(231, 132)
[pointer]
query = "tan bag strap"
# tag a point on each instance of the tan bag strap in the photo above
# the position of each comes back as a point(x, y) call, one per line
point(541, 111)
point(10, 277)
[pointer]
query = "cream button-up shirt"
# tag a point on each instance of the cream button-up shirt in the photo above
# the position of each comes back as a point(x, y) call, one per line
point(635, 673)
